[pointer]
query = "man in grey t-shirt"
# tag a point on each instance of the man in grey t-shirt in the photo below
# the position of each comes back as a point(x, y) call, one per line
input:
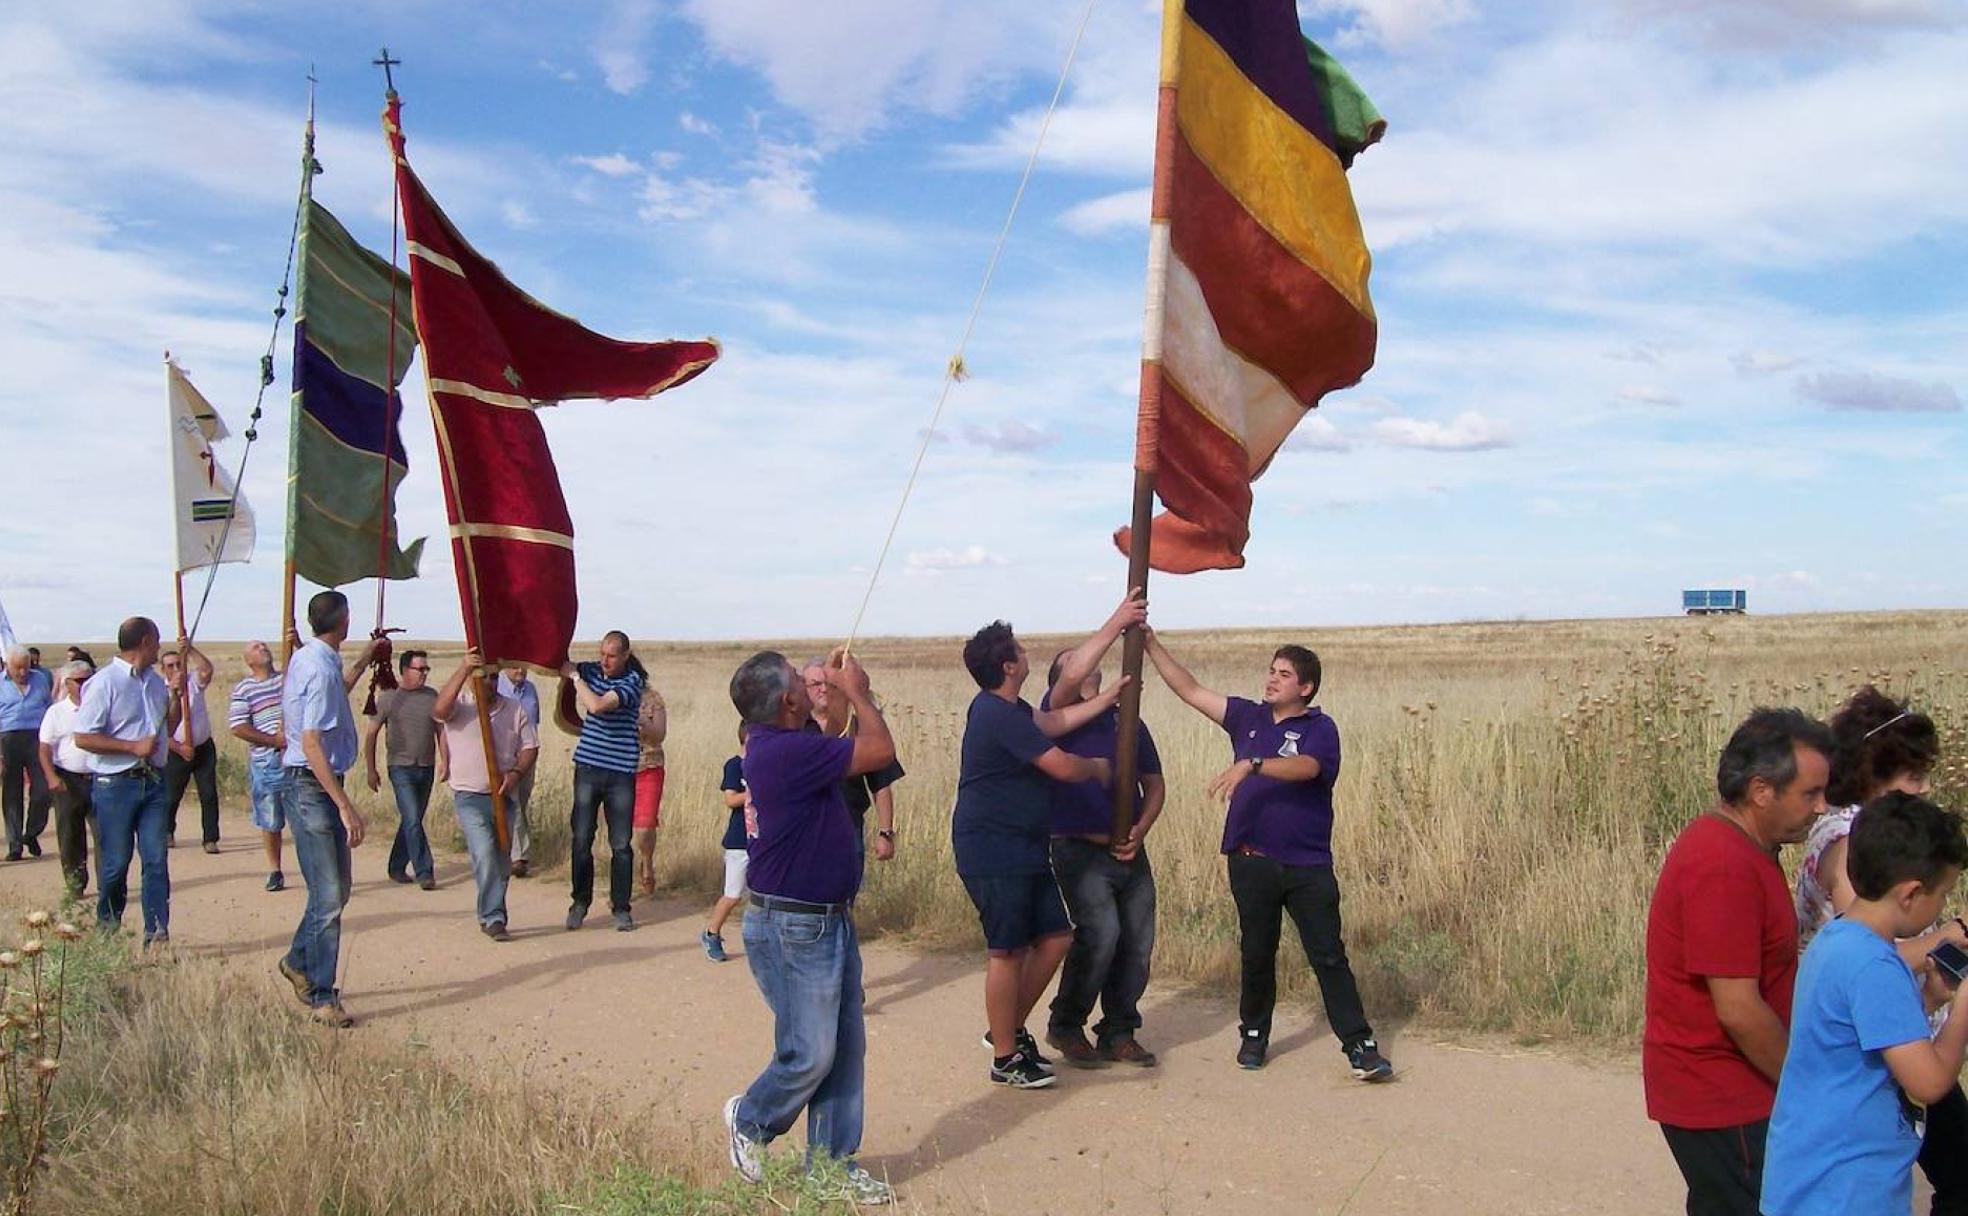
point(412, 755)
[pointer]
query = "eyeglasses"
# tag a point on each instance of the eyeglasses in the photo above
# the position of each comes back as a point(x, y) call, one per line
point(414, 667)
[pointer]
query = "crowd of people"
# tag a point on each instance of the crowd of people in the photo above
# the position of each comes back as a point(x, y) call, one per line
point(1798, 1053)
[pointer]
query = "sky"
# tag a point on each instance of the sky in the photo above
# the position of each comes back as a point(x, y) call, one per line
point(1669, 293)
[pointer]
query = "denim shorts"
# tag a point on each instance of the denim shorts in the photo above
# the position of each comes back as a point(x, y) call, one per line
point(273, 795)
point(1017, 910)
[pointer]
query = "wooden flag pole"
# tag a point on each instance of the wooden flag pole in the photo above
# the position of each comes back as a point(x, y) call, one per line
point(184, 659)
point(1147, 455)
point(494, 779)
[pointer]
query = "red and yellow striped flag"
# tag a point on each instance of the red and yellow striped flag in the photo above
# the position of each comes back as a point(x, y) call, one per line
point(1257, 278)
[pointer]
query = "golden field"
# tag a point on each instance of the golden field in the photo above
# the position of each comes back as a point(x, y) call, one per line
point(1506, 794)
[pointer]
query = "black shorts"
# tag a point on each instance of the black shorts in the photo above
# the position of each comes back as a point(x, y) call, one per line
point(1017, 910)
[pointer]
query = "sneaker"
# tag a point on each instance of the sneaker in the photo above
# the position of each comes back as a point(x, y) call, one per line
point(713, 947)
point(303, 990)
point(746, 1153)
point(857, 1187)
point(276, 881)
point(1368, 1064)
point(1127, 1051)
point(496, 931)
point(332, 1014)
point(521, 869)
point(211, 846)
point(1075, 1050)
point(623, 921)
point(1024, 1042)
point(576, 913)
point(428, 884)
point(1251, 1052)
point(1020, 1071)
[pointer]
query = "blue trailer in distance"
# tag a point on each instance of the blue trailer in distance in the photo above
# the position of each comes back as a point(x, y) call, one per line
point(1711, 600)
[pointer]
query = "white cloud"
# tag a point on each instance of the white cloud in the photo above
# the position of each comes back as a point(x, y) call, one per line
point(1125, 211)
point(1879, 394)
point(517, 214)
point(693, 125)
point(1646, 394)
point(1393, 23)
point(1318, 434)
point(1469, 431)
point(618, 45)
point(970, 557)
point(612, 165)
point(1763, 362)
point(1009, 437)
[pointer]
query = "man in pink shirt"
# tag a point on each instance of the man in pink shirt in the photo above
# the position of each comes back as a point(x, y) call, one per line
point(461, 763)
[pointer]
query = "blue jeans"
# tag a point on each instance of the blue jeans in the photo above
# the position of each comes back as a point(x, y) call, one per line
point(603, 790)
point(809, 969)
point(491, 867)
point(1112, 904)
point(321, 847)
point(411, 849)
point(131, 816)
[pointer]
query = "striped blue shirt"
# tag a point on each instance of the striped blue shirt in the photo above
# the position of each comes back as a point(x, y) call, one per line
point(609, 740)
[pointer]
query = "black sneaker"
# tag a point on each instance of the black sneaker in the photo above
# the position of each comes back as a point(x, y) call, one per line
point(276, 881)
point(1368, 1064)
point(624, 923)
point(576, 913)
point(1251, 1051)
point(1024, 1042)
point(1020, 1071)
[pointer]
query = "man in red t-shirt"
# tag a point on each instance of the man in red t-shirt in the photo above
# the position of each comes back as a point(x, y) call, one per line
point(1722, 957)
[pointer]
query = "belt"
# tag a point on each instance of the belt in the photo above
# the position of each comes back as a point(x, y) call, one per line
point(142, 772)
point(1244, 850)
point(772, 903)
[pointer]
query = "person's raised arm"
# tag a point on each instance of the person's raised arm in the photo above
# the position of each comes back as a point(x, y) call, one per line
point(1083, 660)
point(1750, 1022)
point(1055, 721)
point(874, 746)
point(588, 699)
point(353, 672)
point(1211, 705)
point(447, 697)
point(196, 660)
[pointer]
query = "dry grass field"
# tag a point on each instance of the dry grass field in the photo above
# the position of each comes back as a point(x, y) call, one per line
point(1507, 790)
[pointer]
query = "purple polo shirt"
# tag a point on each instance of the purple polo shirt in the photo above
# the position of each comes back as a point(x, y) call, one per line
point(1086, 808)
point(1289, 821)
point(806, 843)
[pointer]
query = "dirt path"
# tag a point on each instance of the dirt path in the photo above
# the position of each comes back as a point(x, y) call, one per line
point(1469, 1129)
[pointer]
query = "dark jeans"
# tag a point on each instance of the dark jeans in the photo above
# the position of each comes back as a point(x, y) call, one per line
point(75, 822)
point(1723, 1166)
point(603, 791)
point(321, 848)
point(1265, 890)
point(1944, 1154)
point(1112, 904)
point(411, 850)
point(20, 761)
point(131, 815)
point(203, 768)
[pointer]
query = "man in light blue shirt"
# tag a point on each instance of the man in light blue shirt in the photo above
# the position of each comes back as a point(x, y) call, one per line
point(321, 746)
point(26, 691)
point(513, 683)
point(125, 720)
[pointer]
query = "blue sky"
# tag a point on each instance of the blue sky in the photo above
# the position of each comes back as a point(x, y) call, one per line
point(1670, 295)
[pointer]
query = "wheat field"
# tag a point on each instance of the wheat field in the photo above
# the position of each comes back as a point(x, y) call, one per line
point(1506, 792)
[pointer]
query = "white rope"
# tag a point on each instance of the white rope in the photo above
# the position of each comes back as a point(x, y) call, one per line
point(955, 371)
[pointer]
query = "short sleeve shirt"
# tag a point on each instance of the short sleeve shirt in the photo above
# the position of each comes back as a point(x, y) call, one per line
point(313, 698)
point(1813, 892)
point(255, 704)
point(409, 731)
point(1003, 817)
point(734, 783)
point(58, 735)
point(806, 847)
point(1290, 821)
point(1720, 909)
point(1086, 808)
point(1840, 1140)
point(609, 740)
point(201, 718)
point(21, 708)
point(119, 702)
point(512, 733)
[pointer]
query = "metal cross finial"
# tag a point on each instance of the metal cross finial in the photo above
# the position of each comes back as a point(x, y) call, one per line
point(386, 63)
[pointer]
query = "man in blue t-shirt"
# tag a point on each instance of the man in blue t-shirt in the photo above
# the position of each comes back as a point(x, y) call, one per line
point(800, 937)
point(1001, 828)
point(609, 693)
point(1278, 839)
point(1844, 1135)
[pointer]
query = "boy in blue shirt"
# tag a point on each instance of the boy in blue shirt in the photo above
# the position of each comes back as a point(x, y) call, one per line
point(737, 837)
point(1846, 1127)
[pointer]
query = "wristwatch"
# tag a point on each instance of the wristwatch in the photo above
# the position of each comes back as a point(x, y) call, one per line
point(885, 833)
point(1257, 765)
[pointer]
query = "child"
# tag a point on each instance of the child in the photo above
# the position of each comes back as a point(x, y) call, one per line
point(1844, 1135)
point(736, 833)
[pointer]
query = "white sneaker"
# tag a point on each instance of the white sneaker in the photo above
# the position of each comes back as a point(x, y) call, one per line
point(863, 1189)
point(746, 1153)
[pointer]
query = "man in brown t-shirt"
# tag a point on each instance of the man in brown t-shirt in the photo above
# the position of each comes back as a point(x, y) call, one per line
point(412, 755)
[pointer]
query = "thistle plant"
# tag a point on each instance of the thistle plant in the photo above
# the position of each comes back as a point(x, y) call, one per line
point(31, 993)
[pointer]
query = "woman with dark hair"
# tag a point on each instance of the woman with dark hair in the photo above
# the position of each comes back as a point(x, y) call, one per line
point(1879, 746)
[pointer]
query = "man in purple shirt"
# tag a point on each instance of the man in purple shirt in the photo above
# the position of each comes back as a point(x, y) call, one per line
point(799, 933)
point(1278, 838)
